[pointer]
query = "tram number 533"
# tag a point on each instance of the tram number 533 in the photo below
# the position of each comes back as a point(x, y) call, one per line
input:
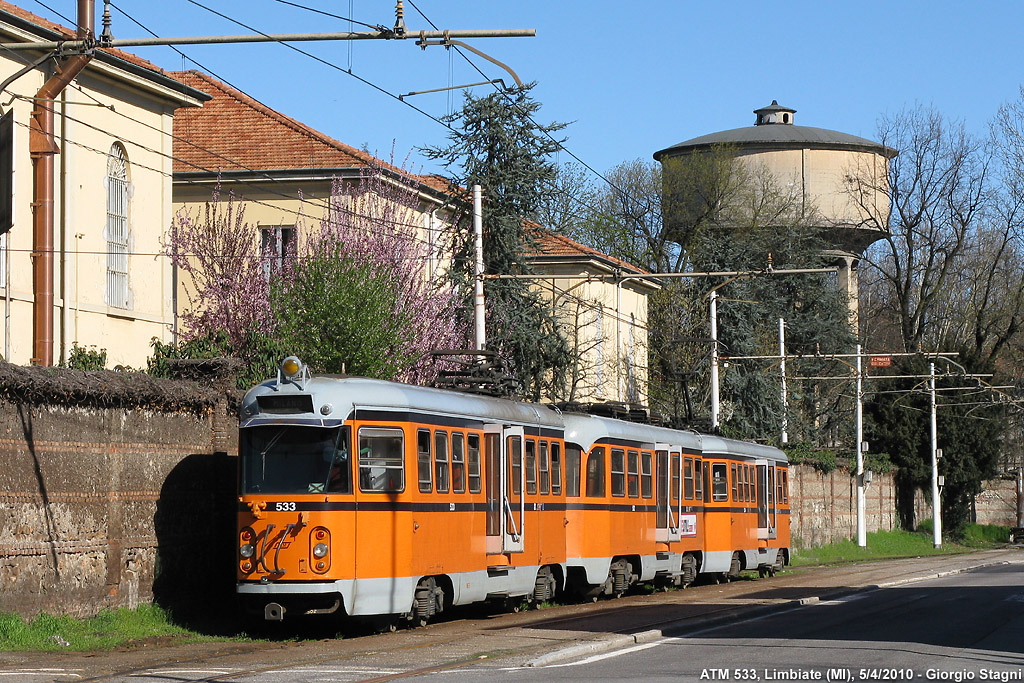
point(284, 507)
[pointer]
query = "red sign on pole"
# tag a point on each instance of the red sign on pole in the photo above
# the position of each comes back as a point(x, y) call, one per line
point(880, 361)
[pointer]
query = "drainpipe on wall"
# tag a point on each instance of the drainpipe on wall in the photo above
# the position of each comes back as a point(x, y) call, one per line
point(42, 148)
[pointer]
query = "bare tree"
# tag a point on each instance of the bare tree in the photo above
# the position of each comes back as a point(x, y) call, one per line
point(935, 195)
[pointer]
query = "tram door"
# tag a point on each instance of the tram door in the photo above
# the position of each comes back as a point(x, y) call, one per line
point(503, 455)
point(667, 466)
point(766, 510)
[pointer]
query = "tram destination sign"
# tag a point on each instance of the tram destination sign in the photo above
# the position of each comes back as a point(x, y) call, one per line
point(880, 361)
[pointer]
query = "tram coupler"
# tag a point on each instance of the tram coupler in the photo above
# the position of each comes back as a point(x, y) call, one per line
point(273, 612)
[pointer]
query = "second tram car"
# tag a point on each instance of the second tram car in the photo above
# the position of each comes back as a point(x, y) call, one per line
point(374, 498)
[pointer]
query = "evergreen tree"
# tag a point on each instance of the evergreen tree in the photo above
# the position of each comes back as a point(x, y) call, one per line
point(500, 147)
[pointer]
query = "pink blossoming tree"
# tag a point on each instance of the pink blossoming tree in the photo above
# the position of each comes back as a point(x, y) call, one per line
point(357, 294)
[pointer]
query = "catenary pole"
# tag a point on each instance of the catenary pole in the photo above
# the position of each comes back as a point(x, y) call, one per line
point(782, 369)
point(936, 507)
point(862, 539)
point(478, 280)
point(713, 304)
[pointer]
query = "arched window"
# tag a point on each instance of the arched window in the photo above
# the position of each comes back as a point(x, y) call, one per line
point(118, 229)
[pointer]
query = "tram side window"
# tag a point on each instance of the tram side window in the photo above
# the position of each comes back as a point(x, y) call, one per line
point(646, 489)
point(771, 486)
point(458, 462)
point(381, 459)
point(675, 476)
point(688, 479)
point(423, 460)
point(743, 483)
point(515, 454)
point(633, 478)
point(785, 486)
point(719, 482)
point(573, 456)
point(441, 461)
point(473, 462)
point(544, 469)
point(595, 473)
point(750, 482)
point(531, 466)
point(556, 470)
point(618, 472)
point(698, 479)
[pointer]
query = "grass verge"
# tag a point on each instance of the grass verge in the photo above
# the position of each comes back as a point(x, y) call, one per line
point(897, 543)
point(108, 629)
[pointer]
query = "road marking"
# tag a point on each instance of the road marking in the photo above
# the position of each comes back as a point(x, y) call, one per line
point(41, 672)
point(607, 655)
point(173, 672)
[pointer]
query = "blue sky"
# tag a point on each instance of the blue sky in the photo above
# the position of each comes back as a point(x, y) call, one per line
point(630, 77)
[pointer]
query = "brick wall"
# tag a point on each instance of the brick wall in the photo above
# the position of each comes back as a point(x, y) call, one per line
point(110, 507)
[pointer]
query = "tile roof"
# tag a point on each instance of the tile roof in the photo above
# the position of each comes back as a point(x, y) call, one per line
point(552, 244)
point(235, 132)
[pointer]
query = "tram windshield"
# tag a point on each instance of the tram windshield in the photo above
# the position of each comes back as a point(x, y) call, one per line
point(295, 459)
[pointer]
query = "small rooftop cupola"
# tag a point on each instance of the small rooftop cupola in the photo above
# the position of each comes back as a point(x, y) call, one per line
point(774, 113)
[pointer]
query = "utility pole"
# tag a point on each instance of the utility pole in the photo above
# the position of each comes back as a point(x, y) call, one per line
point(478, 280)
point(936, 504)
point(782, 368)
point(862, 539)
point(713, 304)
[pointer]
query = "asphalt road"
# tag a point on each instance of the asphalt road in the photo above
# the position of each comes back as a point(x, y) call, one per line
point(790, 627)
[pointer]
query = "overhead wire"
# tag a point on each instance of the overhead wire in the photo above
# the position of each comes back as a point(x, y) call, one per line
point(561, 292)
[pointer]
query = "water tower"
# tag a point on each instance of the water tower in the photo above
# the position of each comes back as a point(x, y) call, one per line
point(817, 162)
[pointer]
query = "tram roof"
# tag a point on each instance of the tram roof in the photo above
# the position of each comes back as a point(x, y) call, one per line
point(586, 430)
point(345, 394)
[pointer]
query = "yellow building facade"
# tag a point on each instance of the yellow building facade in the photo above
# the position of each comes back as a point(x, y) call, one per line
point(112, 200)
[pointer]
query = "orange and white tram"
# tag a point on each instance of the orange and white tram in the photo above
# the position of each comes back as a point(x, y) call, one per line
point(374, 498)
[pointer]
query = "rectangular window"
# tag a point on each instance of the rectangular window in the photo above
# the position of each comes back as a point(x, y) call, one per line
point(719, 482)
point(688, 479)
point(441, 461)
point(473, 462)
point(646, 488)
point(573, 456)
point(633, 478)
point(595, 473)
point(544, 469)
point(618, 472)
point(276, 245)
point(458, 463)
point(785, 486)
point(750, 483)
point(556, 470)
point(515, 457)
point(675, 476)
point(531, 467)
point(381, 459)
point(698, 480)
point(423, 460)
point(771, 487)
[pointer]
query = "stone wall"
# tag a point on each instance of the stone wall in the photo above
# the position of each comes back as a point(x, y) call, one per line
point(824, 506)
point(107, 506)
point(997, 503)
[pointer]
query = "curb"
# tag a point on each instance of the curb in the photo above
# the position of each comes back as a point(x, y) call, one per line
point(618, 641)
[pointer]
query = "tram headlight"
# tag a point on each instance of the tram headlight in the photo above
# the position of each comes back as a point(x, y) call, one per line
point(291, 367)
point(320, 550)
point(246, 550)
